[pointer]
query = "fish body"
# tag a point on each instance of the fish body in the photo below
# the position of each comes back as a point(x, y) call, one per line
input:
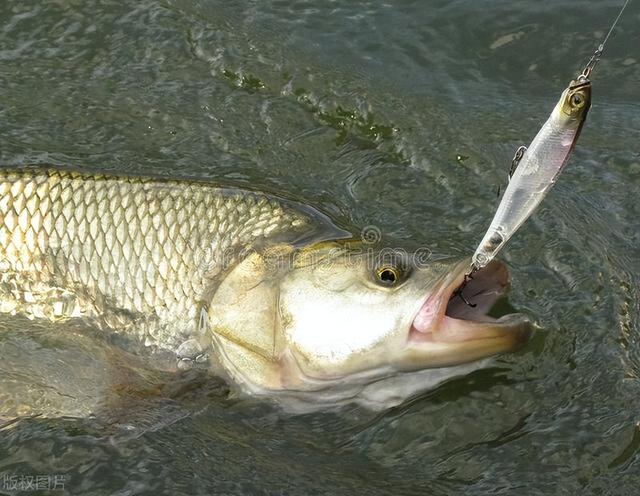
point(148, 249)
point(537, 170)
point(267, 291)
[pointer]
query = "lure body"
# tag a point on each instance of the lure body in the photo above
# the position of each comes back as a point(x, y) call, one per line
point(537, 170)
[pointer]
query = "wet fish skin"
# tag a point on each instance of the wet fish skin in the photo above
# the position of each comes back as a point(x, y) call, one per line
point(150, 248)
point(200, 272)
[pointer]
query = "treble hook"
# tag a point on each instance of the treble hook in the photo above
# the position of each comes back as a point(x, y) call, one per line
point(458, 292)
point(516, 160)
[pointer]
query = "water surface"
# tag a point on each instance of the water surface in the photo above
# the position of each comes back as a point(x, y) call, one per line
point(401, 115)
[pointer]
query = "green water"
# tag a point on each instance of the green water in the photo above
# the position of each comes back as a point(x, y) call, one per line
point(403, 115)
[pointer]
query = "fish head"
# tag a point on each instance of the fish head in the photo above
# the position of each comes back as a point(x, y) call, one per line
point(336, 318)
point(574, 103)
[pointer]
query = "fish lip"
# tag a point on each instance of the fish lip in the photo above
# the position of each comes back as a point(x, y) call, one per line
point(513, 329)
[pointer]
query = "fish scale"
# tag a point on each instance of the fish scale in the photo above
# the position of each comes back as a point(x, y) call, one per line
point(149, 247)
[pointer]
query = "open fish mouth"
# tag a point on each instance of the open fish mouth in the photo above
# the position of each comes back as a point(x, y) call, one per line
point(450, 331)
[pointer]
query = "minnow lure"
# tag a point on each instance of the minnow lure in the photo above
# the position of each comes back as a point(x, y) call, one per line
point(537, 169)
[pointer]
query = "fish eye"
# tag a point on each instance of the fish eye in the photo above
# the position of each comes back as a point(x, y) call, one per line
point(577, 100)
point(387, 275)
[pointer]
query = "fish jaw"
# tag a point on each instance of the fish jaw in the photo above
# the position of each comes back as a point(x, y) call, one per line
point(445, 331)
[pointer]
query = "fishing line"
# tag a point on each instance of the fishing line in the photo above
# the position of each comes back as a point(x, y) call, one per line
point(524, 195)
point(595, 58)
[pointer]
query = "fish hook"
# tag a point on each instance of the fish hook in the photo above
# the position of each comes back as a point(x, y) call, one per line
point(458, 292)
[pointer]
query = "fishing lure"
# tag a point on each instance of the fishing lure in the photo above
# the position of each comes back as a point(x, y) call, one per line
point(534, 170)
point(537, 168)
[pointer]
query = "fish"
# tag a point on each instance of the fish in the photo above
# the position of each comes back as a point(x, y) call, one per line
point(538, 169)
point(261, 290)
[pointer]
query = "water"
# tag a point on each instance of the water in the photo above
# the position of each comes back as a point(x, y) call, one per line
point(401, 115)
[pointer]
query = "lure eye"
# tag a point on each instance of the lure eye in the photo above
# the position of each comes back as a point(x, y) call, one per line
point(577, 100)
point(387, 275)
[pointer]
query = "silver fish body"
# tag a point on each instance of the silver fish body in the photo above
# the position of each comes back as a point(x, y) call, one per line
point(134, 249)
